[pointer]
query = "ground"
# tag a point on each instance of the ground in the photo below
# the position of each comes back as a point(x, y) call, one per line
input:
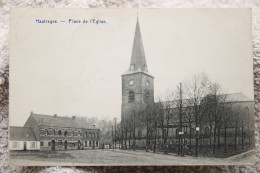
point(120, 157)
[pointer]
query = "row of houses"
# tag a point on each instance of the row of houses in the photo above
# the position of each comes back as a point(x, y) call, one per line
point(53, 132)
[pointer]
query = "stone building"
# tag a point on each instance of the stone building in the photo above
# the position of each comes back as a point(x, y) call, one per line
point(55, 132)
point(138, 93)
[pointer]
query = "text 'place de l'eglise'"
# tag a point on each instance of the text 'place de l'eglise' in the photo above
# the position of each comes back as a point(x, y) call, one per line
point(197, 119)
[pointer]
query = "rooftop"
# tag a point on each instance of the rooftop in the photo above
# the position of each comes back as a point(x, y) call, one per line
point(21, 134)
point(61, 121)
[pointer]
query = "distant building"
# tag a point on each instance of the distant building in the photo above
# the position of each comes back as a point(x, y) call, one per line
point(52, 132)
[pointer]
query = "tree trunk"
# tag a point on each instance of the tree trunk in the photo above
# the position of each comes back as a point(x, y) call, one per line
point(242, 134)
point(225, 137)
point(236, 137)
point(129, 141)
point(147, 135)
point(218, 137)
point(210, 135)
point(214, 140)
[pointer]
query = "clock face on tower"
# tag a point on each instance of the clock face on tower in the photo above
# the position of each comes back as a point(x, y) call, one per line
point(131, 82)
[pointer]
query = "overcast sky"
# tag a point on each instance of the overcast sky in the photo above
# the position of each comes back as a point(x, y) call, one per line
point(75, 69)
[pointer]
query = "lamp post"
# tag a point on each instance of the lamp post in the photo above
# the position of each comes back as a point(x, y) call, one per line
point(181, 142)
point(197, 133)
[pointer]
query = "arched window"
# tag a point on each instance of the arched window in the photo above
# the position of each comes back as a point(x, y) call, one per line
point(140, 134)
point(164, 132)
point(192, 131)
point(151, 133)
point(206, 131)
point(147, 96)
point(131, 96)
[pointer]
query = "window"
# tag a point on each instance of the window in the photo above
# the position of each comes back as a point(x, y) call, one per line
point(33, 144)
point(86, 134)
point(146, 96)
point(65, 133)
point(50, 132)
point(59, 143)
point(15, 145)
point(86, 143)
point(131, 96)
point(46, 132)
point(79, 133)
point(206, 131)
point(164, 132)
point(97, 143)
point(246, 111)
point(192, 131)
point(89, 143)
point(140, 134)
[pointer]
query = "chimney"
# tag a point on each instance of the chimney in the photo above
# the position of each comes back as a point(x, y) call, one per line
point(73, 117)
point(55, 115)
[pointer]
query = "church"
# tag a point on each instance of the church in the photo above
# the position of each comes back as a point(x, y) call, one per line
point(138, 95)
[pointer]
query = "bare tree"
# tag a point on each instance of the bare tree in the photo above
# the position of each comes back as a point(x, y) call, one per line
point(195, 90)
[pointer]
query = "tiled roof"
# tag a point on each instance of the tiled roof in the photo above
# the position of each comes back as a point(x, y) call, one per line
point(59, 121)
point(21, 134)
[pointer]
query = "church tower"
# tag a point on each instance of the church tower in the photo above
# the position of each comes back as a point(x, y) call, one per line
point(137, 83)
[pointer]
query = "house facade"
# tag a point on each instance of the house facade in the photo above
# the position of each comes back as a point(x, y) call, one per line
point(23, 138)
point(53, 132)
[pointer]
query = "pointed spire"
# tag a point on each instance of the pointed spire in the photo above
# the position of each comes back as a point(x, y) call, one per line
point(138, 62)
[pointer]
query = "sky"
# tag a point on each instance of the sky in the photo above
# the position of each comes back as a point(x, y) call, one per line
point(75, 68)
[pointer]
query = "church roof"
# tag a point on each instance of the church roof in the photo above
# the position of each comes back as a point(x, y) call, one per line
point(21, 134)
point(237, 97)
point(59, 121)
point(138, 61)
point(229, 98)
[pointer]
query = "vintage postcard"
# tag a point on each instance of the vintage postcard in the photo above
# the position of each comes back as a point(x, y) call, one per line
point(131, 87)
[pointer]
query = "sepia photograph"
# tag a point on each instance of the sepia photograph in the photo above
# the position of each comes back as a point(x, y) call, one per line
point(126, 87)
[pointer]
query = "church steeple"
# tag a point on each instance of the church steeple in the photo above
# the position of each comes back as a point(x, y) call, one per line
point(138, 61)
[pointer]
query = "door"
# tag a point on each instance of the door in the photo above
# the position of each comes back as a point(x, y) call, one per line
point(78, 144)
point(24, 146)
point(66, 145)
point(53, 145)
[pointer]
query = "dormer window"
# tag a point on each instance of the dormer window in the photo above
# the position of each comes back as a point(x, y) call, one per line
point(132, 67)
